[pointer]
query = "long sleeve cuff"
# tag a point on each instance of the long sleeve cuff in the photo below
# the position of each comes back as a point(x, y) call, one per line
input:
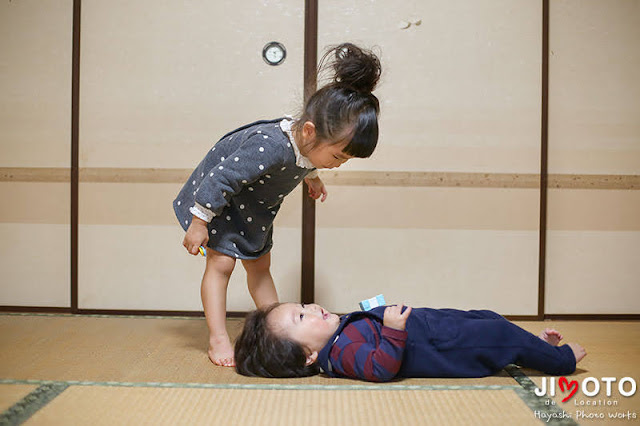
point(392, 333)
point(202, 212)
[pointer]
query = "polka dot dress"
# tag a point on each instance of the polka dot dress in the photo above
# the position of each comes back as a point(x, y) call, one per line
point(243, 181)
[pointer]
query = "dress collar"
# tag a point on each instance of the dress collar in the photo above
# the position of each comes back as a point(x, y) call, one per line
point(301, 160)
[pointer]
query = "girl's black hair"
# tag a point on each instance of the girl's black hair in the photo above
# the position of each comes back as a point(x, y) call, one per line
point(260, 352)
point(346, 107)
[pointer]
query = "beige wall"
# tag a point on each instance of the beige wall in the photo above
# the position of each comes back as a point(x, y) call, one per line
point(161, 82)
point(35, 123)
point(460, 100)
point(594, 128)
point(460, 93)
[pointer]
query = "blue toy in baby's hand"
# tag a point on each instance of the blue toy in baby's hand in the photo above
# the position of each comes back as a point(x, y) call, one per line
point(203, 251)
point(374, 302)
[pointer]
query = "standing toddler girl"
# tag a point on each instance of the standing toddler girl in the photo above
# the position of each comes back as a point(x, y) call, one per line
point(232, 197)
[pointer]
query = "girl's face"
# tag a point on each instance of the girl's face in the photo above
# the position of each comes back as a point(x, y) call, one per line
point(307, 324)
point(328, 156)
point(322, 154)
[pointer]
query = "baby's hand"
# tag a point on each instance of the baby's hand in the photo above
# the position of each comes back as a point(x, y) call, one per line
point(395, 318)
point(316, 188)
point(197, 235)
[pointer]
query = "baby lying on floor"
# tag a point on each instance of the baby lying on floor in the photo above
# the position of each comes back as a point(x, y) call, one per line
point(296, 340)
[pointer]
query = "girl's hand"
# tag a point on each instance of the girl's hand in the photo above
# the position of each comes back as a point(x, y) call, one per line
point(197, 235)
point(395, 318)
point(316, 188)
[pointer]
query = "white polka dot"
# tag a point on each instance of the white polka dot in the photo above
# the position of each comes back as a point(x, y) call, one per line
point(211, 174)
point(234, 244)
point(261, 167)
point(194, 182)
point(242, 233)
point(280, 196)
point(259, 131)
point(267, 176)
point(201, 174)
point(261, 182)
point(236, 159)
point(236, 254)
point(224, 194)
point(230, 137)
point(213, 149)
point(249, 219)
point(221, 158)
point(244, 181)
point(250, 188)
point(288, 144)
point(261, 202)
point(264, 229)
point(228, 217)
point(283, 168)
point(208, 205)
point(186, 222)
point(179, 202)
point(265, 136)
point(221, 167)
point(213, 231)
point(261, 149)
point(273, 213)
point(296, 177)
point(241, 206)
point(194, 192)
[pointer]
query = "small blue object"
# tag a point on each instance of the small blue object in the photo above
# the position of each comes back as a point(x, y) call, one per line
point(203, 251)
point(374, 302)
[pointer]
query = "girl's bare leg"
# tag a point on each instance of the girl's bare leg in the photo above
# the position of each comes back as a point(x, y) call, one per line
point(214, 300)
point(260, 282)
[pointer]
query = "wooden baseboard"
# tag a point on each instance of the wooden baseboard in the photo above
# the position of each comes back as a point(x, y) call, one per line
point(242, 314)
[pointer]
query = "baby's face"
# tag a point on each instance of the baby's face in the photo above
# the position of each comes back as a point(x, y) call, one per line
point(307, 324)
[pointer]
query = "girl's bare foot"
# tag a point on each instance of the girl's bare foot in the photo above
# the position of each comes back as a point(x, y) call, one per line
point(221, 351)
point(551, 336)
point(578, 351)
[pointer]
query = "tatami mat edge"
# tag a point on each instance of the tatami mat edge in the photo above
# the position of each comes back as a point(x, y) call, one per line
point(49, 390)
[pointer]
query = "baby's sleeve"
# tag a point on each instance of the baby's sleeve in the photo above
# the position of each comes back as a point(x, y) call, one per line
point(260, 154)
point(358, 357)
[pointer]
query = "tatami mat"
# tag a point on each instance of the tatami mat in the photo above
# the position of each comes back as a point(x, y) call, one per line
point(143, 370)
point(131, 350)
point(613, 350)
point(152, 406)
point(11, 394)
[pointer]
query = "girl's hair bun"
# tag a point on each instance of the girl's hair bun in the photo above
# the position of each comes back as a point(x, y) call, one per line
point(356, 68)
point(344, 108)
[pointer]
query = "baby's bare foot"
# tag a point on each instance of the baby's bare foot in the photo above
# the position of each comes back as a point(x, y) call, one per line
point(551, 336)
point(578, 351)
point(221, 351)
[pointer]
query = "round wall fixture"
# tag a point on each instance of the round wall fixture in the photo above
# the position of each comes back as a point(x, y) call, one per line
point(274, 53)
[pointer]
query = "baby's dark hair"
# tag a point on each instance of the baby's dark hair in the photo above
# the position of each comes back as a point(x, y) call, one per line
point(346, 106)
point(260, 352)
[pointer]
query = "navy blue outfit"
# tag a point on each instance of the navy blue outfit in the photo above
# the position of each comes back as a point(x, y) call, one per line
point(437, 343)
point(240, 184)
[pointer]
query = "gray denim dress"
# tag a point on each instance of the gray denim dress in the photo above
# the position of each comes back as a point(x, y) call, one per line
point(242, 182)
